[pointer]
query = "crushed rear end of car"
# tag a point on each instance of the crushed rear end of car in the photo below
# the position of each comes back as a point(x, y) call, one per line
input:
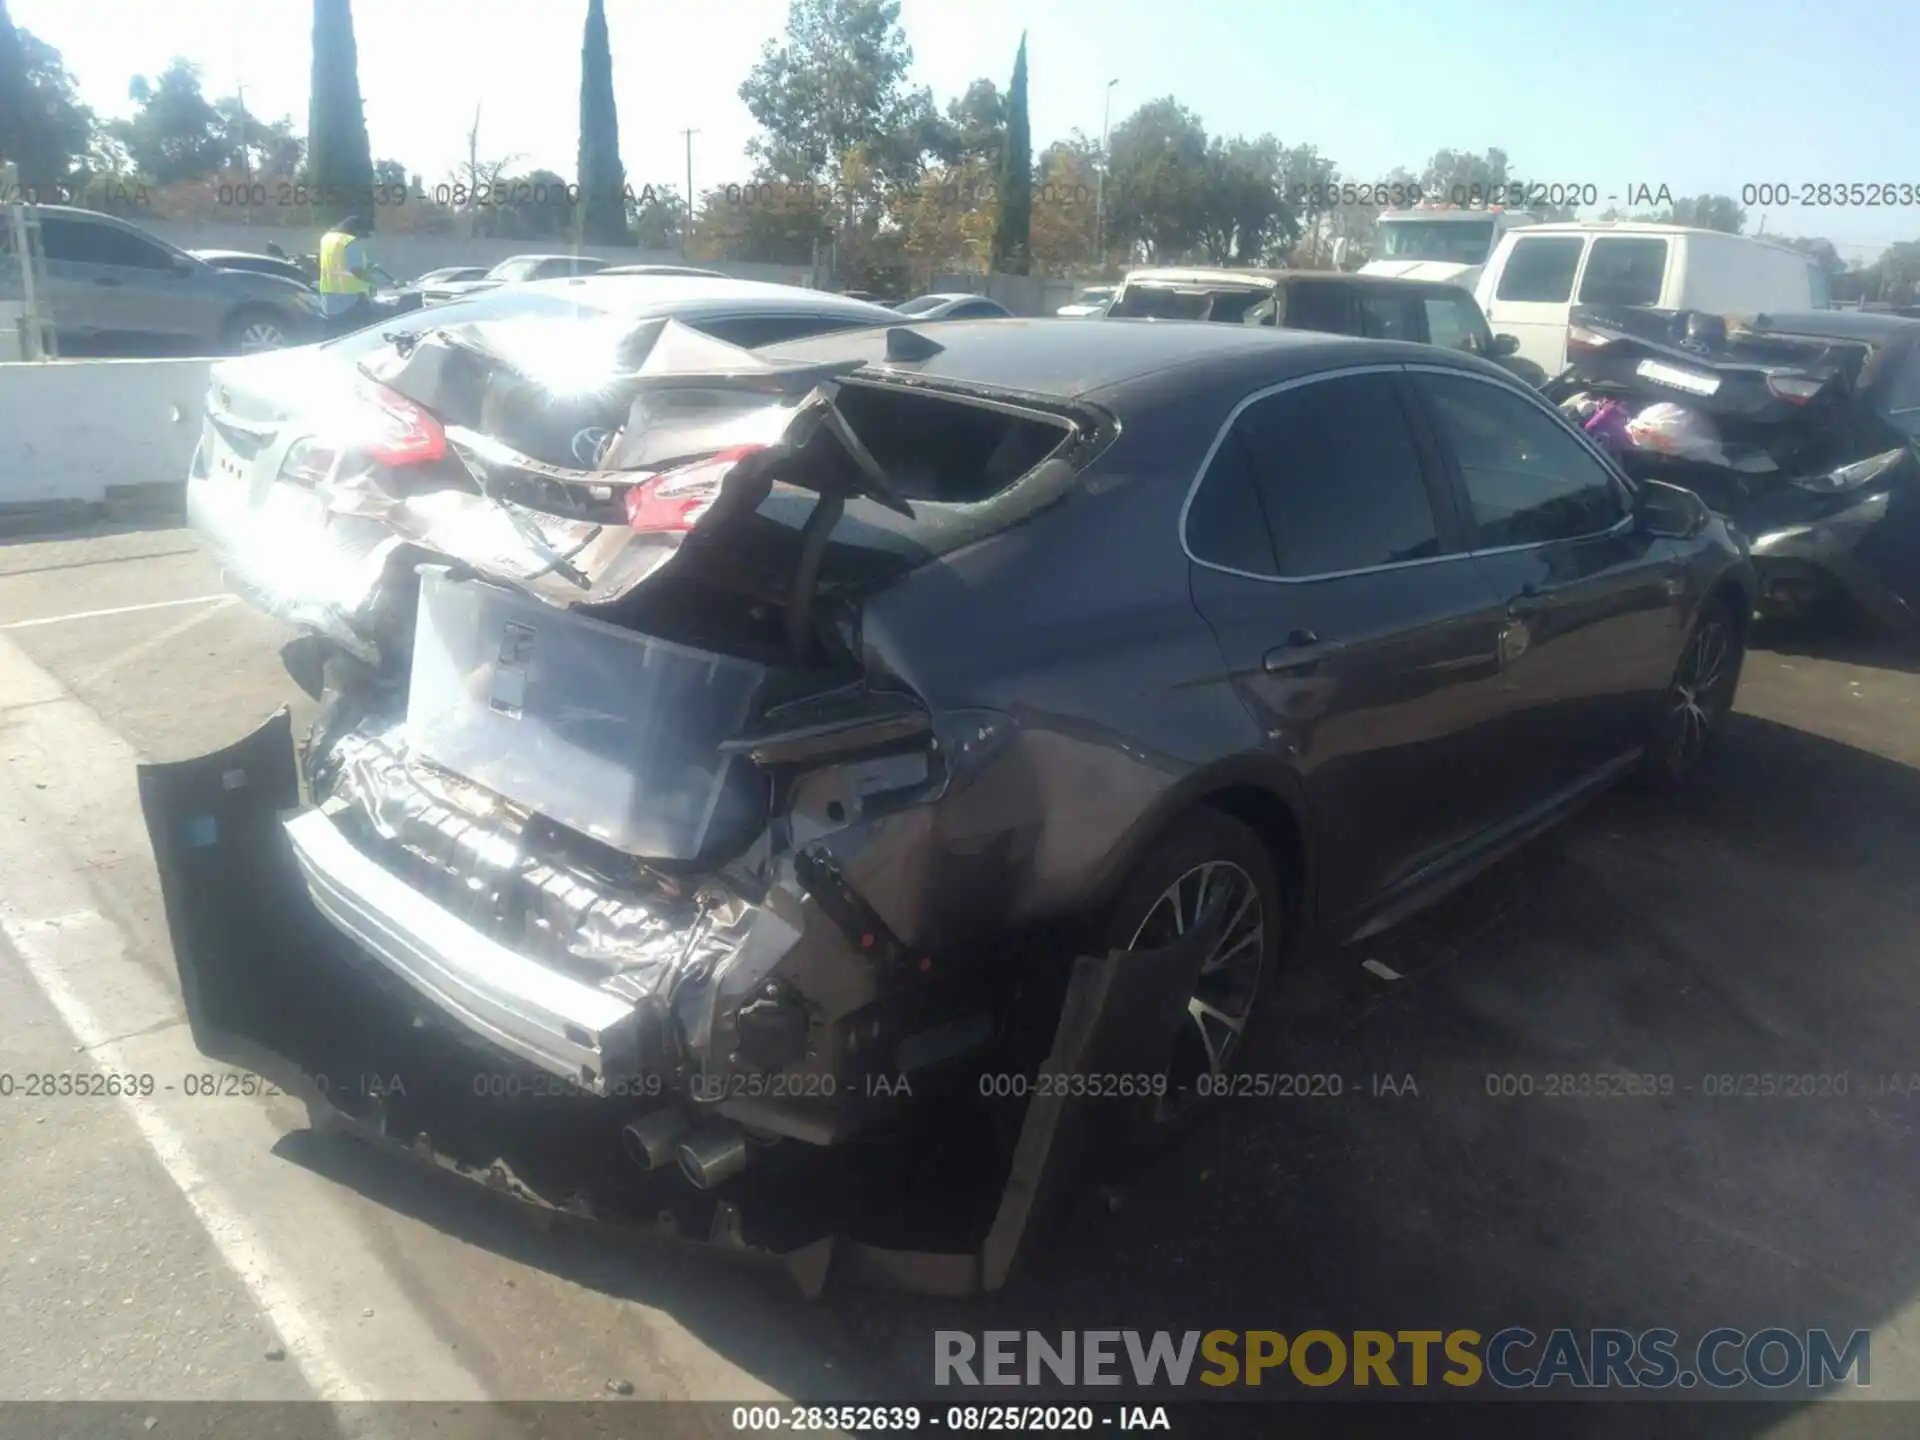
point(621, 871)
point(1775, 433)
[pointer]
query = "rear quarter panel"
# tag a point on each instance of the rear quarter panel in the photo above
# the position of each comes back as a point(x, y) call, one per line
point(1078, 625)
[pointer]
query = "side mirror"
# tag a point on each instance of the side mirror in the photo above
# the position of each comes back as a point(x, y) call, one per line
point(1671, 512)
point(1503, 345)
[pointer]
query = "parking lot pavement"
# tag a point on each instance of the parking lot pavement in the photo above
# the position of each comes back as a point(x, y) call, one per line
point(1763, 925)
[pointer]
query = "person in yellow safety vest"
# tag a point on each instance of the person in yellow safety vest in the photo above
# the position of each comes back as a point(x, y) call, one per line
point(345, 283)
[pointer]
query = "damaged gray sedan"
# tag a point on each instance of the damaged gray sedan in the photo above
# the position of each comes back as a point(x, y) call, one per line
point(756, 789)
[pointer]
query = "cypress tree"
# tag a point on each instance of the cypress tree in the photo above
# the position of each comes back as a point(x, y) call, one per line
point(603, 207)
point(339, 159)
point(1013, 234)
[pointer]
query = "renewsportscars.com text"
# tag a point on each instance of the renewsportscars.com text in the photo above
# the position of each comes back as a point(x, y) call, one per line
point(1513, 1359)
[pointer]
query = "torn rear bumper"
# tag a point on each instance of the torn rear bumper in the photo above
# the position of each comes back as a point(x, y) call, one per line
point(384, 1013)
point(569, 1029)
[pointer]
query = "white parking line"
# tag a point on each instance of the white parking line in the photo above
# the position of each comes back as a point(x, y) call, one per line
point(232, 1236)
point(118, 610)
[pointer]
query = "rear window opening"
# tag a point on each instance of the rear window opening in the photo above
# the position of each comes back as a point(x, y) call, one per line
point(946, 451)
point(1168, 302)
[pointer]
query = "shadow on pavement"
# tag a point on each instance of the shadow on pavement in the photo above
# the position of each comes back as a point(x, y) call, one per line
point(1760, 925)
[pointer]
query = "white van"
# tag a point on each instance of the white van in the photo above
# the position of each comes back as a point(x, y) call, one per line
point(1538, 274)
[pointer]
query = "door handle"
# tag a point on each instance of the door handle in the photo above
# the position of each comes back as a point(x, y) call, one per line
point(1303, 648)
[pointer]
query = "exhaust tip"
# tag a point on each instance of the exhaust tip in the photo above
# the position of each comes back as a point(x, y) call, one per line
point(712, 1157)
point(649, 1140)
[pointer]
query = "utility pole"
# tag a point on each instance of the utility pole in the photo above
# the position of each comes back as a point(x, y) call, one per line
point(686, 225)
point(1100, 180)
point(246, 154)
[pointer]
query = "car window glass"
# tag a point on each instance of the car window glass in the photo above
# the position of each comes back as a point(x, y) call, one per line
point(1449, 323)
point(1904, 393)
point(1385, 317)
point(1528, 479)
point(1540, 269)
point(1160, 302)
point(87, 244)
point(1225, 525)
point(1624, 270)
point(1337, 475)
point(1320, 307)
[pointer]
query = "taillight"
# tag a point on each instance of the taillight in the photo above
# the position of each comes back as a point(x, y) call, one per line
point(1581, 338)
point(1792, 389)
point(308, 462)
point(672, 502)
point(392, 430)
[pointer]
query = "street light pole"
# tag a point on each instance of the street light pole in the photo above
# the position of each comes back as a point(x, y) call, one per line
point(686, 225)
point(1100, 180)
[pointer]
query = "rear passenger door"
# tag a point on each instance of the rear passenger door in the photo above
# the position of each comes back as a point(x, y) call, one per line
point(1591, 603)
point(1330, 563)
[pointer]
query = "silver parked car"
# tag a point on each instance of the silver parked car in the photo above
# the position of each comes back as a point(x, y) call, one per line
point(512, 271)
point(112, 285)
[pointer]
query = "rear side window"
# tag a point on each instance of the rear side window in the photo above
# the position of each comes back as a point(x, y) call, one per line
point(1540, 270)
point(946, 451)
point(1528, 479)
point(1450, 323)
point(1327, 308)
point(1624, 270)
point(1387, 317)
point(1333, 469)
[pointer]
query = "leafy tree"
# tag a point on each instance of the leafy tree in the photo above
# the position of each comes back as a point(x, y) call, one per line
point(1821, 249)
point(340, 158)
point(949, 222)
point(44, 129)
point(1063, 218)
point(837, 83)
point(1157, 179)
point(1244, 215)
point(778, 224)
point(1013, 235)
point(390, 173)
point(1709, 212)
point(254, 144)
point(177, 133)
point(978, 122)
point(658, 217)
point(603, 206)
point(1461, 177)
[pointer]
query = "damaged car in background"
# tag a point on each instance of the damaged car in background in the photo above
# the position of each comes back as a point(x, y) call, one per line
point(798, 798)
point(1800, 428)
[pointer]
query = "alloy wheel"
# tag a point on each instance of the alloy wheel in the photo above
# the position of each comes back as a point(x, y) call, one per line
point(1223, 995)
point(258, 335)
point(1702, 691)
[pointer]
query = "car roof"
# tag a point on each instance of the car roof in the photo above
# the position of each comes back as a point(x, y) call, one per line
point(1049, 360)
point(1869, 326)
point(511, 258)
point(671, 293)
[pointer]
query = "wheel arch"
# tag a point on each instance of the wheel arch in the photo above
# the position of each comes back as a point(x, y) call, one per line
point(1261, 793)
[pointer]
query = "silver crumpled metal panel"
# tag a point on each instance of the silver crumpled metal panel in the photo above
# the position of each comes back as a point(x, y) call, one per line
point(484, 860)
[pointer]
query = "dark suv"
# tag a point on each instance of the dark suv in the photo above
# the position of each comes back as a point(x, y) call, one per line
point(1376, 307)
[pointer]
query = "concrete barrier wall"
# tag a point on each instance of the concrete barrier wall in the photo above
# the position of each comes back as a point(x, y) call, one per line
point(84, 432)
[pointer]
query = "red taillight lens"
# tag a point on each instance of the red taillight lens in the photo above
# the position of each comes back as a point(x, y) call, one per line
point(672, 502)
point(392, 430)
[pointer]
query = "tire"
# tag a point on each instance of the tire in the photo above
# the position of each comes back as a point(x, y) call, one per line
point(1697, 701)
point(257, 328)
point(1140, 918)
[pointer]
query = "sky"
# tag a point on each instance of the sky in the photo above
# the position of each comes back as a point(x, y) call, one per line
point(1709, 96)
